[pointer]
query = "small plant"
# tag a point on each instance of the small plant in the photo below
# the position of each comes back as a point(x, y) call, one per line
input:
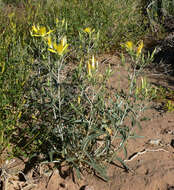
point(55, 101)
point(73, 118)
point(165, 97)
point(170, 106)
point(146, 90)
point(88, 42)
point(138, 63)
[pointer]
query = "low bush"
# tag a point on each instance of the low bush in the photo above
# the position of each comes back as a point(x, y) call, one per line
point(55, 101)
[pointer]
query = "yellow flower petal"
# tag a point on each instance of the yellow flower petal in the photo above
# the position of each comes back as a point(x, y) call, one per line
point(52, 50)
point(60, 49)
point(88, 30)
point(140, 47)
point(34, 29)
point(50, 31)
point(129, 45)
point(49, 41)
point(55, 45)
point(89, 69)
point(42, 31)
point(65, 47)
point(93, 63)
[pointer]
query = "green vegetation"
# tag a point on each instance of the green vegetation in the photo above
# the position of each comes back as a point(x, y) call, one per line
point(54, 101)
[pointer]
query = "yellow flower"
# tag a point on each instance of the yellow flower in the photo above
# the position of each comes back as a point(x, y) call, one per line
point(87, 30)
point(60, 48)
point(42, 31)
point(34, 29)
point(38, 31)
point(140, 47)
point(129, 45)
point(55, 46)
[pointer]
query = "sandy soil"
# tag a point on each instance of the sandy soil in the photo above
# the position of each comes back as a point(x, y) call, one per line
point(150, 159)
